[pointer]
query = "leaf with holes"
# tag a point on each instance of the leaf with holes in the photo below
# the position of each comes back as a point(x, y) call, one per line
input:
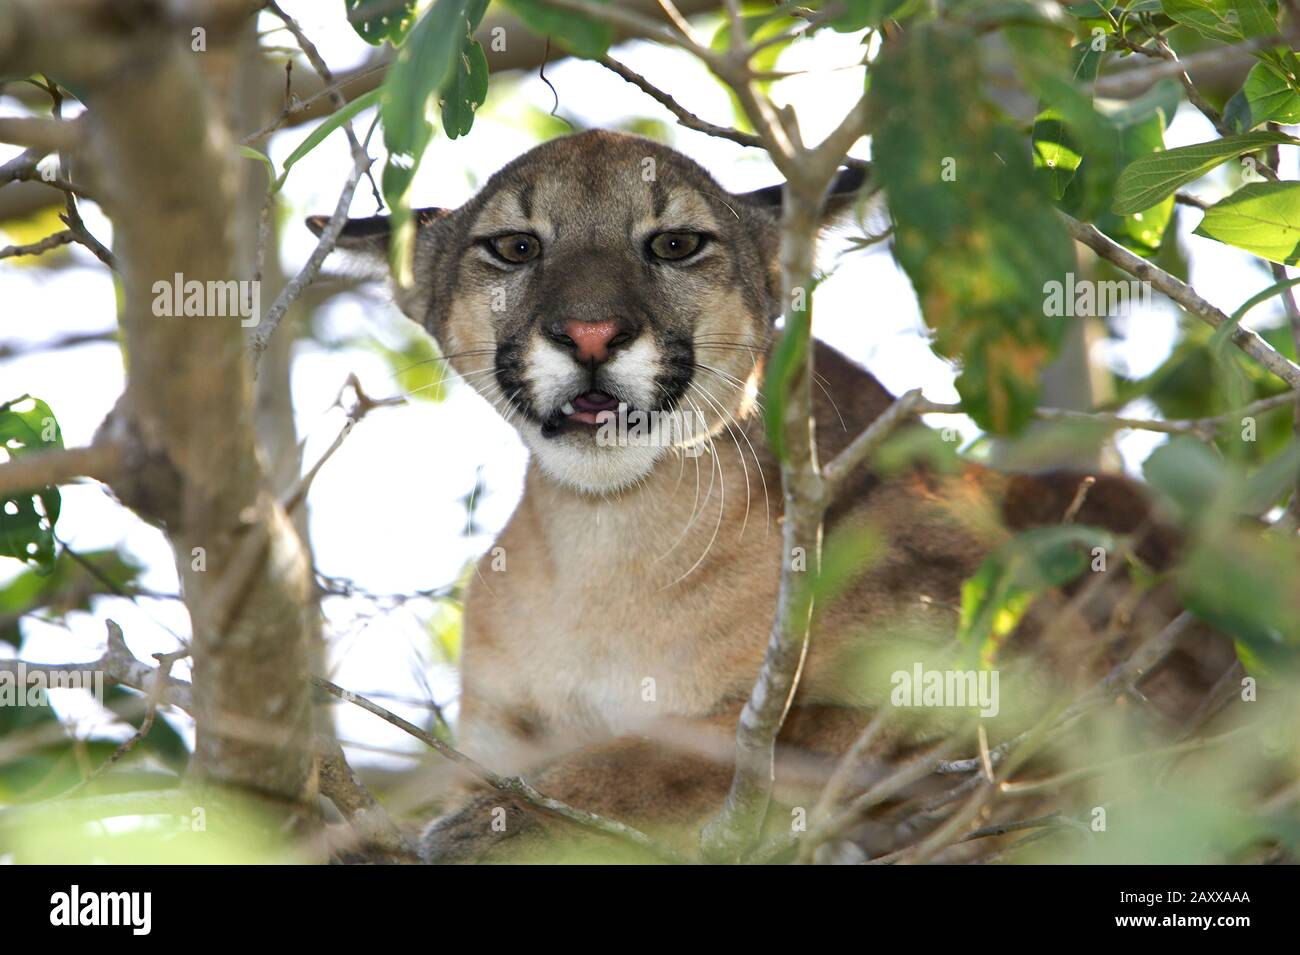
point(424, 65)
point(378, 20)
point(27, 518)
point(1263, 218)
point(466, 91)
point(1148, 180)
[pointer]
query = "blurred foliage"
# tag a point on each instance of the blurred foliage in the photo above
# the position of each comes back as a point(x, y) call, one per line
point(33, 228)
point(1235, 579)
point(445, 625)
point(910, 447)
point(438, 47)
point(68, 585)
point(761, 24)
point(995, 599)
point(963, 197)
point(167, 827)
point(44, 761)
point(418, 368)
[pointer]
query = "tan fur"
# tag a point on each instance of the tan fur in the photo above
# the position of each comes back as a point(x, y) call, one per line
point(608, 658)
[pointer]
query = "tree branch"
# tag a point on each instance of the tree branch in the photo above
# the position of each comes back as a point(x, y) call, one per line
point(37, 469)
point(736, 829)
point(1183, 294)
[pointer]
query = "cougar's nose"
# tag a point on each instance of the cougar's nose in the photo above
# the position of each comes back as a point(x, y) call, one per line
point(591, 342)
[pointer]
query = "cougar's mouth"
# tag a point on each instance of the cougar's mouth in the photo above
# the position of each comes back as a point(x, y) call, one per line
point(590, 407)
point(585, 410)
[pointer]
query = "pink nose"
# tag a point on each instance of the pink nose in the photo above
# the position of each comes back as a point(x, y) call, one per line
point(592, 338)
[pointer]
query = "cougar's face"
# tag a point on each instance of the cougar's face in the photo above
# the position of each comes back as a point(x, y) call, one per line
point(611, 303)
point(606, 295)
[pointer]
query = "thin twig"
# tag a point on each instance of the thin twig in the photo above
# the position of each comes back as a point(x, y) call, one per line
point(41, 246)
point(261, 335)
point(510, 785)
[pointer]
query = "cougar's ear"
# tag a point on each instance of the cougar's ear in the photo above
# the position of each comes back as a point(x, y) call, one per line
point(848, 182)
point(363, 245)
point(366, 240)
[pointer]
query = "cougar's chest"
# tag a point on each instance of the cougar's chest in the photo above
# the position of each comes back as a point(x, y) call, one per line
point(614, 625)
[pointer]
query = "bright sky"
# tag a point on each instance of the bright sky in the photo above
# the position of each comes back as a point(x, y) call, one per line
point(387, 510)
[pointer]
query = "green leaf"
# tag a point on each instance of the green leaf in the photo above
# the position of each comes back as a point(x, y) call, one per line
point(964, 197)
point(1243, 584)
point(1143, 231)
point(1263, 218)
point(248, 152)
point(1107, 139)
point(425, 63)
point(466, 91)
point(849, 552)
point(1271, 94)
point(574, 31)
point(1150, 179)
point(787, 360)
point(860, 14)
point(330, 123)
point(1188, 474)
point(1227, 21)
point(378, 20)
point(917, 445)
point(1162, 100)
point(27, 518)
point(416, 365)
point(1056, 151)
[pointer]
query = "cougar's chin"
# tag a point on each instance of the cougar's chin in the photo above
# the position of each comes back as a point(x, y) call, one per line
point(577, 461)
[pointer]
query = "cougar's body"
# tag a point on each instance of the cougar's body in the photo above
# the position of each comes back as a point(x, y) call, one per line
point(615, 629)
point(616, 611)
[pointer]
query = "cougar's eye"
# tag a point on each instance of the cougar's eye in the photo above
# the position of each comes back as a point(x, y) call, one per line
point(674, 246)
point(516, 247)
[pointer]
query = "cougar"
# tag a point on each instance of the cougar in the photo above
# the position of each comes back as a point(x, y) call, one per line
point(616, 305)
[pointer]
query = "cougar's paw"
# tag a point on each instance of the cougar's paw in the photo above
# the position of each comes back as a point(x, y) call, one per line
point(489, 828)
